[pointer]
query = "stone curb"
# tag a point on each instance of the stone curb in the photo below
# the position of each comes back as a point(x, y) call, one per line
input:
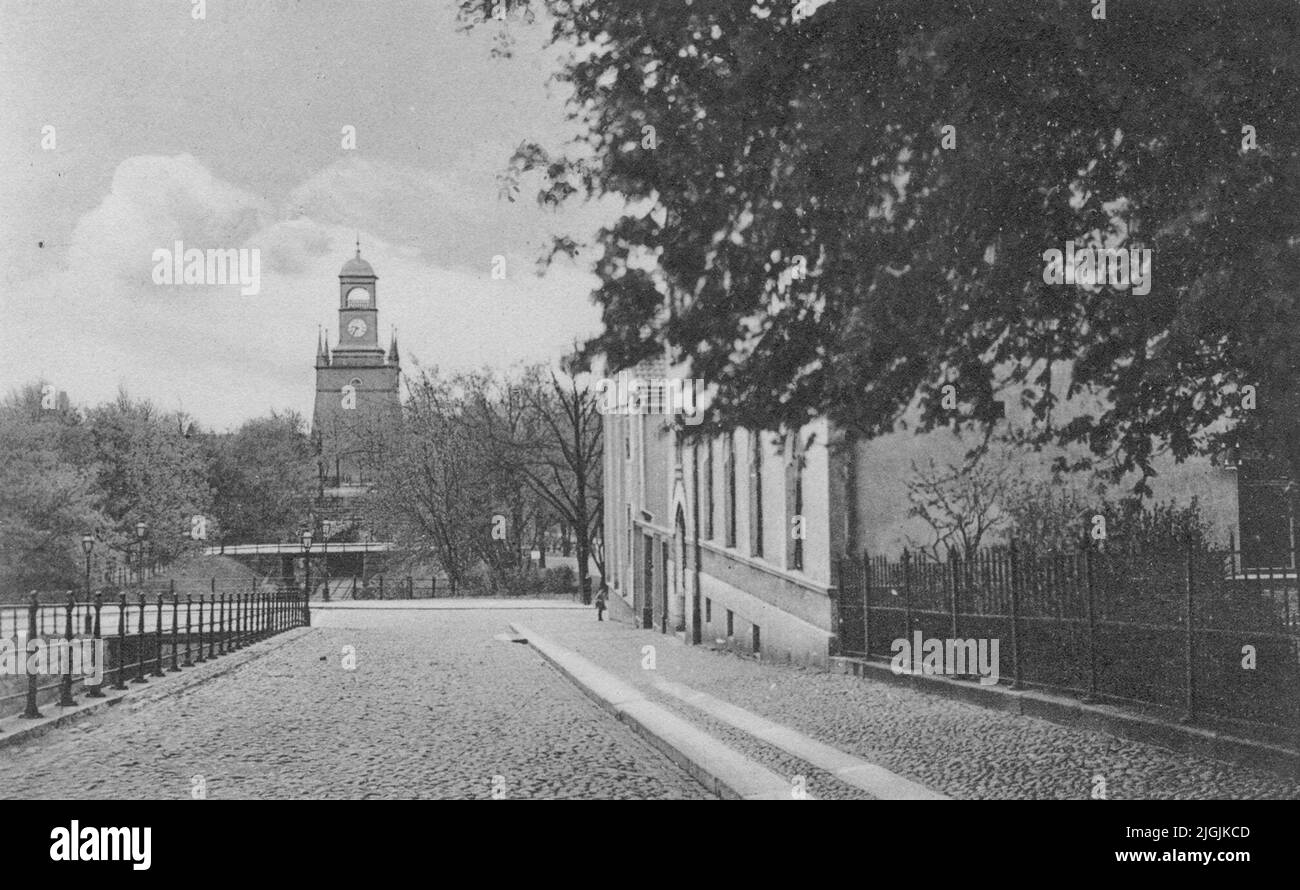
point(1098, 717)
point(722, 770)
point(416, 606)
point(17, 731)
point(850, 769)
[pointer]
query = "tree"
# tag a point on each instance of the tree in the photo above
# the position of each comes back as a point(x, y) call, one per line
point(46, 502)
point(960, 503)
point(147, 470)
point(262, 477)
point(918, 158)
point(430, 496)
point(561, 458)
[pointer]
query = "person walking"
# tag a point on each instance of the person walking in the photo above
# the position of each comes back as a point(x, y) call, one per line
point(600, 604)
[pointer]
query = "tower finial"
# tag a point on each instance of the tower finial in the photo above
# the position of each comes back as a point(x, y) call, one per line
point(358, 245)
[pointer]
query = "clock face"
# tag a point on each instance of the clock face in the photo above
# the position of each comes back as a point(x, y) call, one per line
point(357, 327)
point(358, 296)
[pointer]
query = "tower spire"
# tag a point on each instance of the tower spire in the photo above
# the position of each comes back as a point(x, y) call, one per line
point(392, 349)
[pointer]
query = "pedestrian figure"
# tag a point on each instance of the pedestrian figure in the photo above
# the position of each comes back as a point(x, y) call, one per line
point(600, 604)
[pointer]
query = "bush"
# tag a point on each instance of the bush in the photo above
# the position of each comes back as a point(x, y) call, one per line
point(560, 579)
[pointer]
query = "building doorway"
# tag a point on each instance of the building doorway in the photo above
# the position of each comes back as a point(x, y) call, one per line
point(665, 581)
point(679, 576)
point(648, 584)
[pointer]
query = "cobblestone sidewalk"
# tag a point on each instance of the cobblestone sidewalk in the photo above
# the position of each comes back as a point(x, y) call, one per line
point(957, 749)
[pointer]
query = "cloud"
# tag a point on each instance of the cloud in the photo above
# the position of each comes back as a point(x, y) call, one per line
point(224, 357)
point(154, 201)
point(453, 217)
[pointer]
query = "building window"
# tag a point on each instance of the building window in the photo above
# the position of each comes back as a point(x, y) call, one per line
point(756, 640)
point(708, 493)
point(796, 522)
point(708, 610)
point(1267, 504)
point(729, 493)
point(731, 624)
point(756, 494)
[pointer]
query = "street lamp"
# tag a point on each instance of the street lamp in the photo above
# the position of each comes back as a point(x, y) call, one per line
point(140, 528)
point(306, 562)
point(87, 545)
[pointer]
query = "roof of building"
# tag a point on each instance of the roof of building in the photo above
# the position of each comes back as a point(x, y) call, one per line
point(357, 268)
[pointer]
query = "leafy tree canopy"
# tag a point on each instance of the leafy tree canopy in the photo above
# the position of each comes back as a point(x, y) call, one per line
point(746, 135)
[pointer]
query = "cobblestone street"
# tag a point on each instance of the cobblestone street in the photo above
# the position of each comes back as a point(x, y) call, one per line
point(435, 708)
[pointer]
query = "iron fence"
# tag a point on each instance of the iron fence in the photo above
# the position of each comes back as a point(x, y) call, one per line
point(56, 645)
point(410, 588)
point(1185, 628)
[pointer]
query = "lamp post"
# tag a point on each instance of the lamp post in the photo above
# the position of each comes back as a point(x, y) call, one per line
point(306, 563)
point(140, 528)
point(87, 545)
point(325, 544)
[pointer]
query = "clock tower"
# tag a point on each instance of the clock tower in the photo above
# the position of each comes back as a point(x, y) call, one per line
point(357, 400)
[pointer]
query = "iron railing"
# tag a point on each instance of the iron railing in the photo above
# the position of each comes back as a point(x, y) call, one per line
point(1185, 628)
point(128, 639)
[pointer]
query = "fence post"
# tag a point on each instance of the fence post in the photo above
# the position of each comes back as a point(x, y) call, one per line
point(32, 712)
point(954, 563)
point(1091, 611)
point(157, 639)
point(410, 587)
point(202, 657)
point(65, 691)
point(121, 642)
point(907, 596)
point(97, 690)
point(1015, 615)
point(176, 626)
point(836, 594)
point(139, 667)
point(866, 604)
point(433, 587)
point(1191, 635)
point(236, 621)
point(189, 652)
point(212, 626)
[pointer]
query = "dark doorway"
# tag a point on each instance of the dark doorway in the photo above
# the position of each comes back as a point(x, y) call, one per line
point(648, 585)
point(664, 583)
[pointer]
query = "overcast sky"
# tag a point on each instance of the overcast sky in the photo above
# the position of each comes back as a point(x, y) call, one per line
point(226, 132)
